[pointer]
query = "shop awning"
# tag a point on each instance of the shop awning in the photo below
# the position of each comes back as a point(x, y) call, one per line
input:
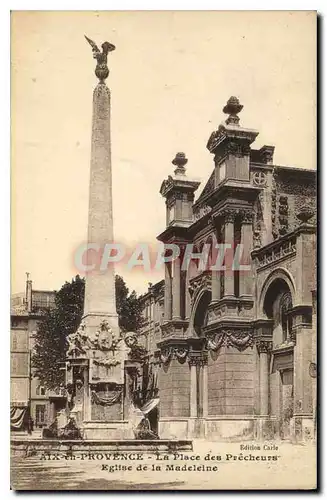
point(17, 415)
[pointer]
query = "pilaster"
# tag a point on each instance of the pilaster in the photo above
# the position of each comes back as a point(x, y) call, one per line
point(168, 292)
point(306, 255)
point(246, 276)
point(228, 274)
point(193, 362)
point(264, 349)
point(264, 423)
point(177, 289)
point(303, 424)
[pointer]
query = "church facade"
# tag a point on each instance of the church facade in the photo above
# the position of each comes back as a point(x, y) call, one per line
point(236, 354)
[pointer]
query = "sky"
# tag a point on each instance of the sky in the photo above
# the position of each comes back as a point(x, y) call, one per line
point(170, 76)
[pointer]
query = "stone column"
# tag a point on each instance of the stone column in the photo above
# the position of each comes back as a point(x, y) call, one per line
point(205, 386)
point(302, 335)
point(187, 294)
point(168, 292)
point(215, 285)
point(229, 239)
point(193, 387)
point(303, 407)
point(264, 349)
point(177, 289)
point(215, 276)
point(246, 277)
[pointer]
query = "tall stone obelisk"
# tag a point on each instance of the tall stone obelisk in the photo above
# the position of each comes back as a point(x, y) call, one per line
point(96, 352)
point(100, 303)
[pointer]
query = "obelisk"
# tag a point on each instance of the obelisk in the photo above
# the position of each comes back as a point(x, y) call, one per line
point(100, 302)
point(96, 351)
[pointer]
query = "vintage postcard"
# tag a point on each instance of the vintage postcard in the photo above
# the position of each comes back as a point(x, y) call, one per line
point(164, 216)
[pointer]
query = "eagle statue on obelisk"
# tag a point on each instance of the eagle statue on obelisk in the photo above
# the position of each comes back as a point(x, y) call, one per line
point(101, 69)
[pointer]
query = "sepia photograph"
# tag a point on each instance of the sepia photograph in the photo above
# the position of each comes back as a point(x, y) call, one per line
point(163, 304)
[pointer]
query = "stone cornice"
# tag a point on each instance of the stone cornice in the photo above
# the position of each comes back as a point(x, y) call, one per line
point(175, 234)
point(174, 322)
point(174, 329)
point(301, 309)
point(227, 134)
point(283, 348)
point(226, 187)
point(155, 291)
point(227, 324)
point(263, 330)
point(238, 301)
point(173, 184)
point(182, 341)
point(263, 323)
point(282, 170)
point(239, 190)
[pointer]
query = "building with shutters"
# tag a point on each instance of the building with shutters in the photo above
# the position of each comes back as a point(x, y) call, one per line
point(28, 397)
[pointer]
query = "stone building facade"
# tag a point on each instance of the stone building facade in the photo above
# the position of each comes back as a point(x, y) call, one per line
point(28, 396)
point(153, 315)
point(236, 355)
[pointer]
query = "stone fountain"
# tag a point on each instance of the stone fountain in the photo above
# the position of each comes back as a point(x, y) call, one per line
point(110, 385)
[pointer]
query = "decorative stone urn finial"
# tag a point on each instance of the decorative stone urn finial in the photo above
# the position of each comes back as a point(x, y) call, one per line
point(232, 108)
point(101, 70)
point(305, 215)
point(180, 160)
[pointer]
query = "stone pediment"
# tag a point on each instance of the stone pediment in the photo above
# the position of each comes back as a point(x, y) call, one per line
point(208, 188)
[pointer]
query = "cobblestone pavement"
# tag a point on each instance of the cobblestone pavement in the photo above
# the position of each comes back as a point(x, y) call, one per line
point(293, 469)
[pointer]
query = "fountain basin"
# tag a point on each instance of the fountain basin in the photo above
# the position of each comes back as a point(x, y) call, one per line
point(28, 447)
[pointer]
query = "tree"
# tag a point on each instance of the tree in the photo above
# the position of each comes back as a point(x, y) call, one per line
point(51, 344)
point(129, 308)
